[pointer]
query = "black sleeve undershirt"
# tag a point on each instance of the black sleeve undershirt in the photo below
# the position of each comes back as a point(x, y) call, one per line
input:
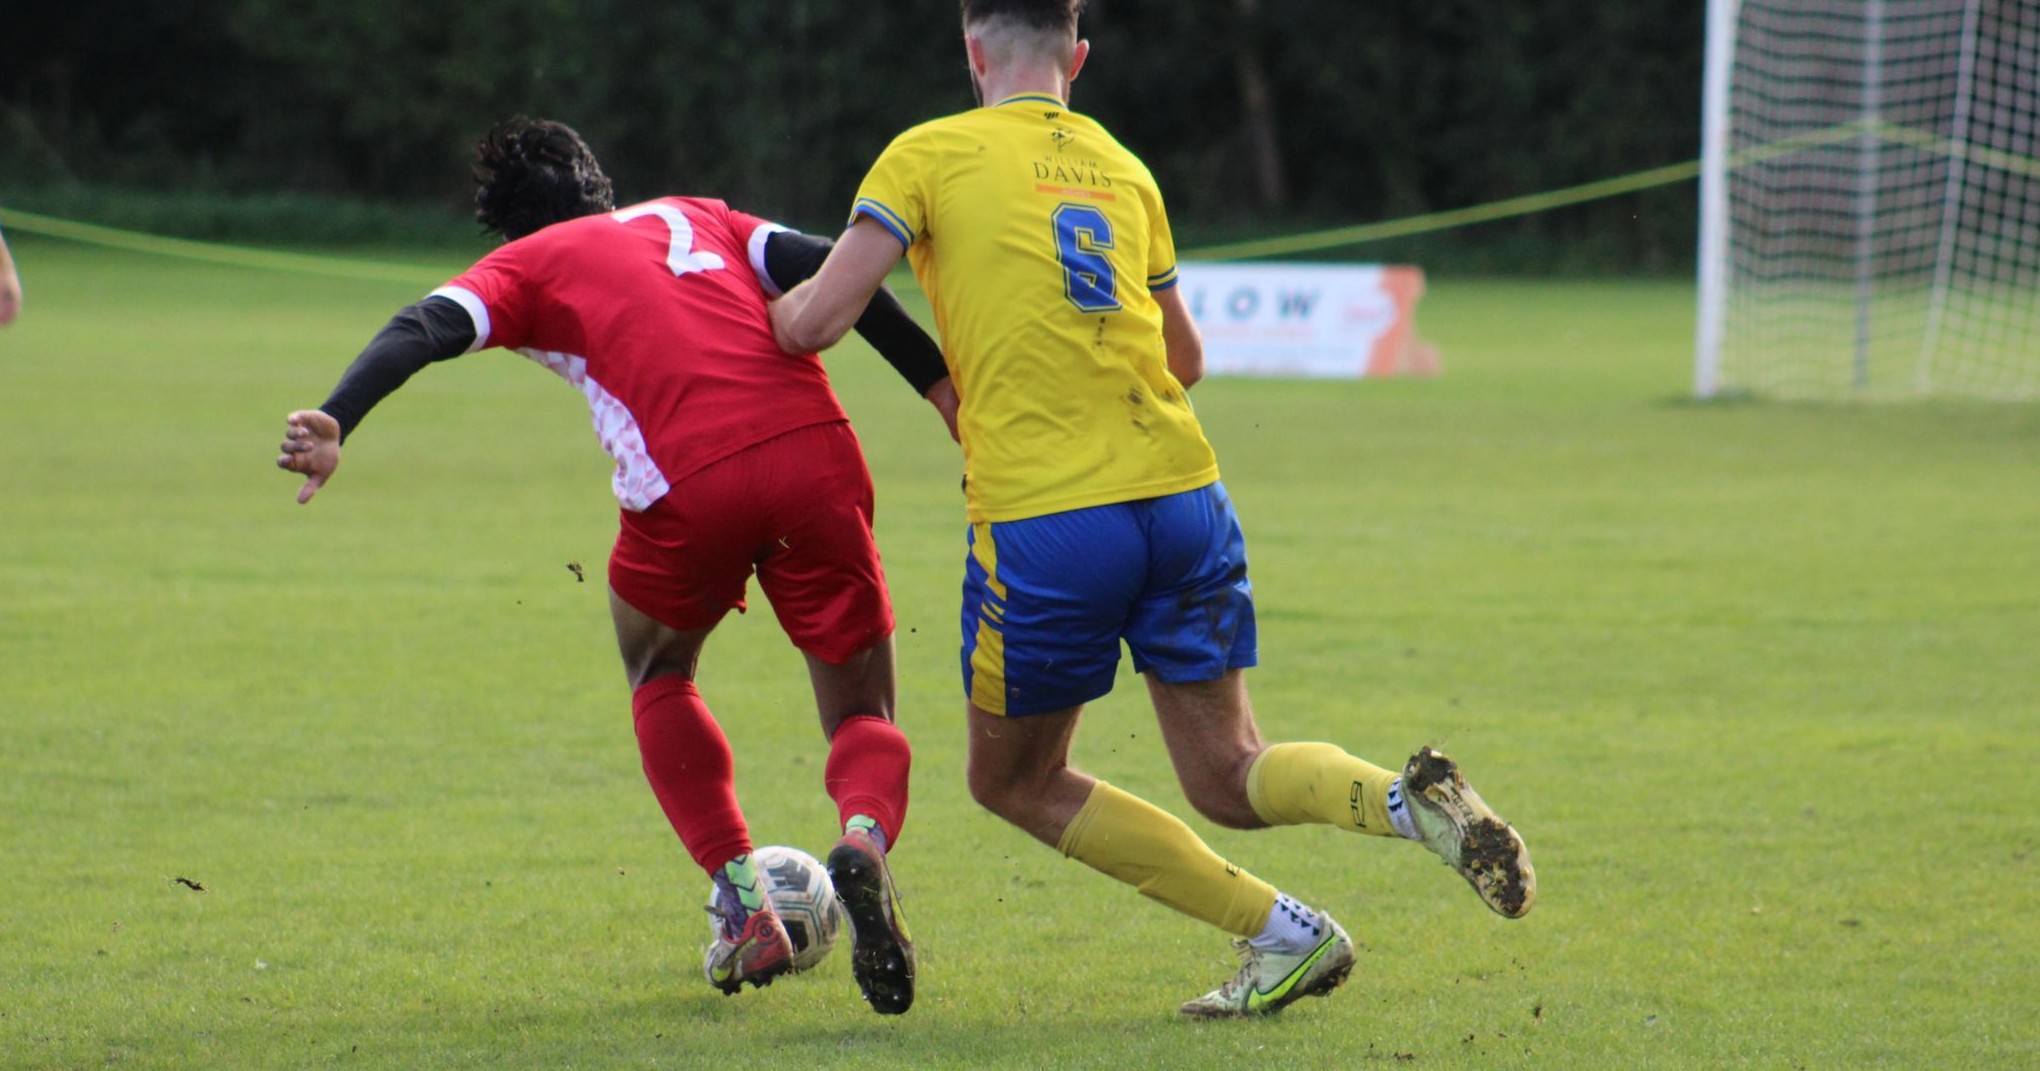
point(439, 329)
point(791, 257)
point(434, 329)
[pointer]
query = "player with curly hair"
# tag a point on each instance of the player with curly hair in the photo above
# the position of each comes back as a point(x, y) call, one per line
point(732, 456)
point(1097, 515)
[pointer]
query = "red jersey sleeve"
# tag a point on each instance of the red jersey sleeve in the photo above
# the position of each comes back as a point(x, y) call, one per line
point(751, 233)
point(496, 297)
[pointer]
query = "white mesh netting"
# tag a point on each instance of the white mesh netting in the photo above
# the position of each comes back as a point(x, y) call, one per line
point(1882, 208)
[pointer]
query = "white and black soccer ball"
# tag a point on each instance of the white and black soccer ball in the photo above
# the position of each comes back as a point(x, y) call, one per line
point(805, 899)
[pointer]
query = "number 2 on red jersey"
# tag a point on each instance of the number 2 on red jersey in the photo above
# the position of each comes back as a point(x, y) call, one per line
point(680, 254)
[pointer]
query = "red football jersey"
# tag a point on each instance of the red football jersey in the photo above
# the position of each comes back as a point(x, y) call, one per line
point(656, 313)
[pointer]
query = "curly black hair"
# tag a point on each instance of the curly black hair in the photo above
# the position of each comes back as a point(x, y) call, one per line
point(533, 173)
point(1051, 15)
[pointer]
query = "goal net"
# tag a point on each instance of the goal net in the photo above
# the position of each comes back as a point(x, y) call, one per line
point(1870, 199)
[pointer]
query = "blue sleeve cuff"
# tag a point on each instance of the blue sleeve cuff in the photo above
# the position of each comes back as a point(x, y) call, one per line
point(886, 217)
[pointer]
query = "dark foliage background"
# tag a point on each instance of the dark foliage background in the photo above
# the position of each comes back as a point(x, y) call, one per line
point(1258, 116)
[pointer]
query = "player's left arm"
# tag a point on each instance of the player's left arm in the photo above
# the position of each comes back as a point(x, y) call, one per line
point(792, 258)
point(1182, 342)
point(819, 312)
point(1180, 337)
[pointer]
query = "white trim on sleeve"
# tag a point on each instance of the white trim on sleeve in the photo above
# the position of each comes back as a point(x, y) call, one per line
point(757, 249)
point(477, 310)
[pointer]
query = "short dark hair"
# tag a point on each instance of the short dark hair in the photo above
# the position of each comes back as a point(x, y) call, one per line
point(533, 173)
point(1050, 15)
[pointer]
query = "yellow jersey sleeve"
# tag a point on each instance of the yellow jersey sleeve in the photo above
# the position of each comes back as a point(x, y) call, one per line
point(895, 192)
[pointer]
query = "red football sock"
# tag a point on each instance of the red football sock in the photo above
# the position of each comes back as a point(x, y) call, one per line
point(688, 761)
point(867, 772)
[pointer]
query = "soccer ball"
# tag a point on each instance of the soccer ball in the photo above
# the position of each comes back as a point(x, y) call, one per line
point(805, 899)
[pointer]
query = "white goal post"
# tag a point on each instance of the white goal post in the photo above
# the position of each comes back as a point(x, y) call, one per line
point(1870, 199)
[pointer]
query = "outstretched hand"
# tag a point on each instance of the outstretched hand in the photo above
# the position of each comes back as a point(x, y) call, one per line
point(311, 448)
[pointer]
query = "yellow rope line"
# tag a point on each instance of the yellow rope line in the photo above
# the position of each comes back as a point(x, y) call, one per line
point(1457, 217)
point(1333, 238)
point(215, 253)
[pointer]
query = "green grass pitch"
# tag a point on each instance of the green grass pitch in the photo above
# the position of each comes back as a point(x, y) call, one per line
point(1760, 684)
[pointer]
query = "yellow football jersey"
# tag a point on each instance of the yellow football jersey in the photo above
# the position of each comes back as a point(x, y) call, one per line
point(1040, 240)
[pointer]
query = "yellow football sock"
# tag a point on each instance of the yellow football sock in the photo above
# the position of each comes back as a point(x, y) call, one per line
point(1128, 838)
point(1299, 784)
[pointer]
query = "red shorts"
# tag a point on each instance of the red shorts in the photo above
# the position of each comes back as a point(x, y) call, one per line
point(797, 510)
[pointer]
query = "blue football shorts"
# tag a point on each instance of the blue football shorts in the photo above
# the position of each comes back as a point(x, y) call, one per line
point(1047, 600)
